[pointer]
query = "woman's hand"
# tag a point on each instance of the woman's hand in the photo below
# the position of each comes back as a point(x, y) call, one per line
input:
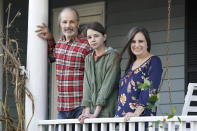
point(128, 115)
point(137, 113)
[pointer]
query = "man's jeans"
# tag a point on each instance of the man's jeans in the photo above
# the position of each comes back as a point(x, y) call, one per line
point(75, 113)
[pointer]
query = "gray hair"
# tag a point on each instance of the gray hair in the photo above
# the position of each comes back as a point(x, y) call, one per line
point(70, 9)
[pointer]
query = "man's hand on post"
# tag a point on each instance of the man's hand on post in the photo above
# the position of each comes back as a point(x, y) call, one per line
point(43, 32)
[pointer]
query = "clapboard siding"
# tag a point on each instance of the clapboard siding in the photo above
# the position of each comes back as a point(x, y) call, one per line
point(160, 49)
point(177, 97)
point(143, 15)
point(121, 16)
point(175, 48)
point(178, 83)
point(116, 5)
point(176, 72)
point(160, 37)
point(165, 108)
point(172, 58)
point(156, 38)
point(67, 3)
point(153, 25)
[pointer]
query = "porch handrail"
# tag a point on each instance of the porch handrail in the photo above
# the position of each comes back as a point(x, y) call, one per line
point(116, 120)
point(141, 120)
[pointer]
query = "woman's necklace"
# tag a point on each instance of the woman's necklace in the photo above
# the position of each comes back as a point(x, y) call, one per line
point(139, 61)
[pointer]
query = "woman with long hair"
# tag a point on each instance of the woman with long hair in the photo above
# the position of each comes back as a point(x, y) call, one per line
point(143, 68)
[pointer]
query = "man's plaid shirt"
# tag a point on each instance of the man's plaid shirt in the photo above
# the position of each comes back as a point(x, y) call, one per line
point(70, 58)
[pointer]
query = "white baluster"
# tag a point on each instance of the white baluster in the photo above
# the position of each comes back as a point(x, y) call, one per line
point(69, 127)
point(182, 126)
point(85, 127)
point(50, 127)
point(94, 127)
point(193, 126)
point(121, 126)
point(151, 126)
point(103, 127)
point(131, 126)
point(112, 126)
point(77, 127)
point(141, 126)
point(41, 127)
point(161, 126)
point(60, 127)
point(171, 126)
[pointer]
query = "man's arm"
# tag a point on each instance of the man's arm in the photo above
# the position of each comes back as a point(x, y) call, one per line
point(44, 33)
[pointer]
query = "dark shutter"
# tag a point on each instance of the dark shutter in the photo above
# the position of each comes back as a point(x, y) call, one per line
point(190, 42)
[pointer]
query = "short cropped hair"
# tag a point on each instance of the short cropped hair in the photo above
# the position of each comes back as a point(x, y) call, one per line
point(70, 9)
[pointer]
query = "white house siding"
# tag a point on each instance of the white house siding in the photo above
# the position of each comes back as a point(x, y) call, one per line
point(152, 14)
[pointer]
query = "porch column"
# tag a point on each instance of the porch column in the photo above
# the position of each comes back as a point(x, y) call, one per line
point(1, 68)
point(36, 64)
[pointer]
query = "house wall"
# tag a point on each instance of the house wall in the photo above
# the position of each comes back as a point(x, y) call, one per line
point(1, 69)
point(152, 14)
point(64, 3)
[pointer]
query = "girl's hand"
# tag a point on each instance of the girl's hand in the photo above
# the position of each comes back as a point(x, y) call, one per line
point(91, 116)
point(82, 117)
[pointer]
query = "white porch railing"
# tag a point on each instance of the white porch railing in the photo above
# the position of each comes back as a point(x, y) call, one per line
point(118, 124)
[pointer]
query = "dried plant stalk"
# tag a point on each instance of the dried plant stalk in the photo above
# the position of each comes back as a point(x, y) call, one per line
point(13, 79)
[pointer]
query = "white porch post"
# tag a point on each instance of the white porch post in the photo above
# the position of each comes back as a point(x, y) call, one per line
point(36, 64)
